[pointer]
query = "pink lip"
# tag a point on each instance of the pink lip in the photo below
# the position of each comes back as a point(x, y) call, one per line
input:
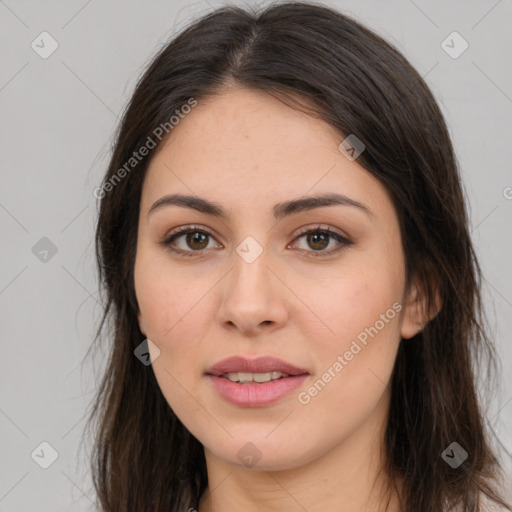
point(255, 395)
point(258, 365)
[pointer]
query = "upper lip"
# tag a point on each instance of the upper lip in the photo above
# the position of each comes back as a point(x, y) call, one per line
point(258, 365)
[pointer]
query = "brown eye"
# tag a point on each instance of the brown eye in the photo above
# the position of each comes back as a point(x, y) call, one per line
point(317, 240)
point(196, 240)
point(192, 241)
point(187, 240)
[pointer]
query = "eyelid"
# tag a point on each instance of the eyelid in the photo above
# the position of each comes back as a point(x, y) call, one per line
point(321, 227)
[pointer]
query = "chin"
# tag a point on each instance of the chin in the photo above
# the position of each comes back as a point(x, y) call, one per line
point(260, 454)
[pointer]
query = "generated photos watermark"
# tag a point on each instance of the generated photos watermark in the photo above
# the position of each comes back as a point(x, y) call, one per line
point(158, 133)
point(342, 361)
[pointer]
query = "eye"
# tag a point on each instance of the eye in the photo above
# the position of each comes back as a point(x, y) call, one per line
point(197, 240)
point(194, 237)
point(318, 239)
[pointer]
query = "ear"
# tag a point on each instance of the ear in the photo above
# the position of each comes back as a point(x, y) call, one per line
point(416, 316)
point(141, 324)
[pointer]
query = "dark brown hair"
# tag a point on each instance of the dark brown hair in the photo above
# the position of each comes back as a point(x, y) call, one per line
point(144, 459)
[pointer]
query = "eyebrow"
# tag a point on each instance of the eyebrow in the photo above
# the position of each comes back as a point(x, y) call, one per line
point(280, 210)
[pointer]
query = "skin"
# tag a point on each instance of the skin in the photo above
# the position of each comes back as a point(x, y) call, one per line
point(247, 151)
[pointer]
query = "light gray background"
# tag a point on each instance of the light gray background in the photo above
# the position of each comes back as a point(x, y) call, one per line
point(58, 117)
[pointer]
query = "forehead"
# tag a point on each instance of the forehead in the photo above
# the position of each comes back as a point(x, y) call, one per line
point(245, 146)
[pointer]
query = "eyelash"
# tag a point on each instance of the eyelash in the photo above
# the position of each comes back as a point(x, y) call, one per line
point(169, 239)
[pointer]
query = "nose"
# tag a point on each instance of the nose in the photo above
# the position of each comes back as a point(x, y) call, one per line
point(254, 297)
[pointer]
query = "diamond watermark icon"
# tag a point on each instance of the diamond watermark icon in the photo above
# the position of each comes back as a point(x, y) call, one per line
point(147, 352)
point(44, 45)
point(44, 455)
point(454, 455)
point(249, 249)
point(44, 250)
point(351, 147)
point(454, 45)
point(249, 455)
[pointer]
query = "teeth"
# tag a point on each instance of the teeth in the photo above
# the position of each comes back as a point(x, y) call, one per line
point(244, 377)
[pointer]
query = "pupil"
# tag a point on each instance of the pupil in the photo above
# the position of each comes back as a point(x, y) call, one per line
point(315, 242)
point(196, 238)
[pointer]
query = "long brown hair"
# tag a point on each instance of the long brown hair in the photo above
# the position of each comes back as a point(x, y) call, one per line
point(144, 459)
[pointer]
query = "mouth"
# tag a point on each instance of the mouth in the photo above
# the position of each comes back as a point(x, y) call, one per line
point(257, 382)
point(256, 378)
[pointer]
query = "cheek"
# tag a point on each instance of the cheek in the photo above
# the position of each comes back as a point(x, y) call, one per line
point(347, 303)
point(177, 313)
point(169, 299)
point(174, 319)
point(355, 354)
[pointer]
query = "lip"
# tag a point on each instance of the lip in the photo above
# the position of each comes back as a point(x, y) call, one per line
point(255, 395)
point(259, 365)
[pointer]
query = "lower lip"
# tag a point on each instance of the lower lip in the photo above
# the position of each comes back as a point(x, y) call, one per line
point(256, 395)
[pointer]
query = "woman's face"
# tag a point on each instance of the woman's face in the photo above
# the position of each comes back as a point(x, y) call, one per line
point(251, 284)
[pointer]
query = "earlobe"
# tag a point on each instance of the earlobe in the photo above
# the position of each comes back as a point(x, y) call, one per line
point(415, 316)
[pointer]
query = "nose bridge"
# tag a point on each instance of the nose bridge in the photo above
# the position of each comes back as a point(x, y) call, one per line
point(252, 254)
point(251, 274)
point(252, 295)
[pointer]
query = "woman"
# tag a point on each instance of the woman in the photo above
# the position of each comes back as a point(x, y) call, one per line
point(294, 295)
